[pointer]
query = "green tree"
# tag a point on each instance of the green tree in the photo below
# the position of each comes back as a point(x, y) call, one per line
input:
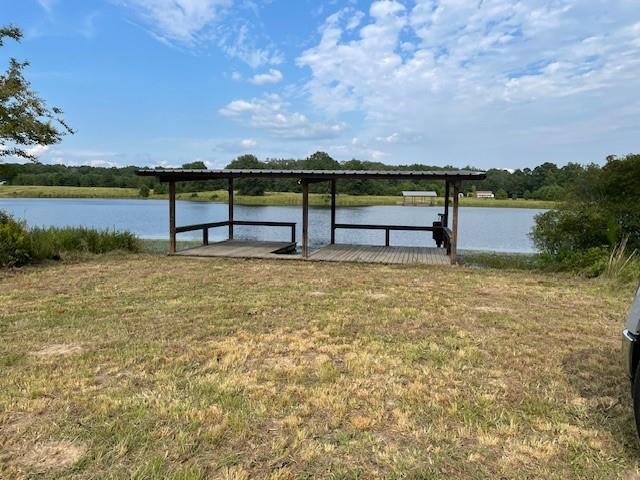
point(160, 189)
point(249, 186)
point(25, 119)
point(321, 161)
point(549, 192)
point(198, 165)
point(501, 194)
point(600, 211)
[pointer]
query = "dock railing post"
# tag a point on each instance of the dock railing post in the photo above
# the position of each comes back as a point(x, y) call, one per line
point(305, 219)
point(230, 201)
point(445, 220)
point(333, 212)
point(454, 223)
point(172, 218)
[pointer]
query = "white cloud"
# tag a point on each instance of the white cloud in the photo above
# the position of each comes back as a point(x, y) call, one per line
point(76, 157)
point(272, 76)
point(234, 146)
point(393, 138)
point(37, 150)
point(34, 151)
point(473, 79)
point(237, 107)
point(271, 113)
point(241, 44)
point(47, 4)
point(194, 23)
point(179, 20)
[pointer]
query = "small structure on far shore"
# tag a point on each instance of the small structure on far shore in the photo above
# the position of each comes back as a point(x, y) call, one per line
point(484, 194)
point(412, 197)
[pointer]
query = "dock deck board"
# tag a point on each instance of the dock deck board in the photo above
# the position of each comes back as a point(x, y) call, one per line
point(241, 249)
point(328, 253)
point(377, 254)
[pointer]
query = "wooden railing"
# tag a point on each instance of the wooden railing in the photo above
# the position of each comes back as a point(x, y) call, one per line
point(226, 223)
point(388, 228)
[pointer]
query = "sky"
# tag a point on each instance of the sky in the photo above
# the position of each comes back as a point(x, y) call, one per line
point(486, 83)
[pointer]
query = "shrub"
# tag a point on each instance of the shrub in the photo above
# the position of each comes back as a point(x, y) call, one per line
point(549, 192)
point(251, 187)
point(597, 229)
point(19, 245)
point(501, 194)
point(561, 231)
point(591, 262)
point(15, 244)
point(618, 188)
point(144, 191)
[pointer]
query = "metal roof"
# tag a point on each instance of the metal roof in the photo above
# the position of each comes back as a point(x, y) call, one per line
point(181, 175)
point(413, 193)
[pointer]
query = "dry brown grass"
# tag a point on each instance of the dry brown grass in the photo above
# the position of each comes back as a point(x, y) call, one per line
point(192, 368)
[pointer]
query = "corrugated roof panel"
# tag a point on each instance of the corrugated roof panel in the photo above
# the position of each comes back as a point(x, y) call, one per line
point(179, 174)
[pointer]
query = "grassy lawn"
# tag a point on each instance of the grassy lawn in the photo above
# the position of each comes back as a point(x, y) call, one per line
point(28, 191)
point(145, 366)
point(270, 198)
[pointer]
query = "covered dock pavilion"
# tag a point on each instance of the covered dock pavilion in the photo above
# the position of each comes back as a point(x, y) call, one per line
point(444, 231)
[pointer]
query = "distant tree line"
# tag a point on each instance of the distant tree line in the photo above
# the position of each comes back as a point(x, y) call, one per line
point(544, 182)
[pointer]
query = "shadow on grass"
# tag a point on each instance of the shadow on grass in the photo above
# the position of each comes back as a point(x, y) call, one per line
point(598, 377)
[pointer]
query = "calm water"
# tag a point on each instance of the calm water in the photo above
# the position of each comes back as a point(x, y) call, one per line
point(497, 229)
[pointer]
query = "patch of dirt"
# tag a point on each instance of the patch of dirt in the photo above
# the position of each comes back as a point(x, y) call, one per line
point(58, 349)
point(317, 294)
point(17, 423)
point(52, 456)
point(377, 296)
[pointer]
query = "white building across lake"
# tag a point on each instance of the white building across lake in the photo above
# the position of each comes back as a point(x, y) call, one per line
point(484, 194)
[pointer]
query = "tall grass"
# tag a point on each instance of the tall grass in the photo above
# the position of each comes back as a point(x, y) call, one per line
point(20, 245)
point(52, 242)
point(621, 262)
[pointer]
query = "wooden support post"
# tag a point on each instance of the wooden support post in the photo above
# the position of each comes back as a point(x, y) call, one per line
point(445, 220)
point(205, 236)
point(172, 218)
point(305, 219)
point(230, 201)
point(454, 223)
point(386, 238)
point(333, 212)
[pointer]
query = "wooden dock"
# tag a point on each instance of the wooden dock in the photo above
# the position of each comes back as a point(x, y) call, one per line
point(380, 254)
point(444, 230)
point(242, 249)
point(329, 253)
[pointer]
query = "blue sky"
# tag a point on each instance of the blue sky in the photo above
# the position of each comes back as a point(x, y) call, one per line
point(489, 83)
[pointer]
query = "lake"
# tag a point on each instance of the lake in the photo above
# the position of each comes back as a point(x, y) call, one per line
point(492, 229)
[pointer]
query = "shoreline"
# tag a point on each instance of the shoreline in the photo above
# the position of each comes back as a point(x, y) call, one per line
point(268, 199)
